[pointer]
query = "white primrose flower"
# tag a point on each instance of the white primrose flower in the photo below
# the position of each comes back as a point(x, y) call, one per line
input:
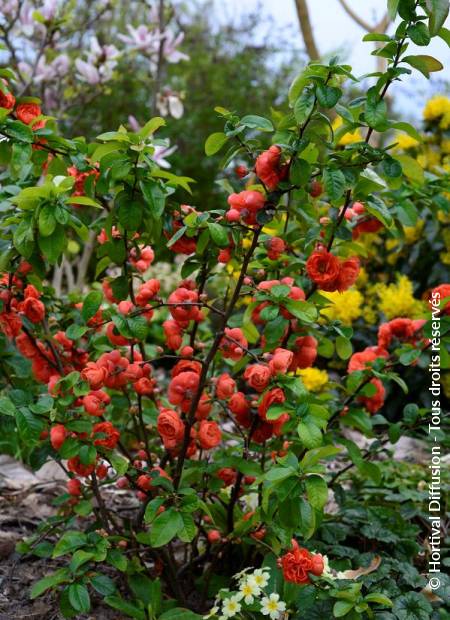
point(248, 590)
point(212, 612)
point(259, 577)
point(231, 606)
point(272, 606)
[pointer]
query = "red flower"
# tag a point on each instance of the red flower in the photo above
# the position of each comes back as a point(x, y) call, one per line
point(305, 352)
point(238, 404)
point(323, 269)
point(209, 435)
point(95, 402)
point(144, 386)
point(94, 375)
point(329, 273)
point(33, 309)
point(281, 361)
point(186, 365)
point(438, 293)
point(375, 402)
point(348, 274)
point(80, 179)
point(275, 247)
point(10, 324)
point(112, 435)
point(184, 245)
point(361, 360)
point(58, 436)
point(403, 329)
point(147, 291)
point(76, 466)
point(7, 99)
point(225, 386)
point(27, 112)
point(298, 563)
point(182, 389)
point(271, 397)
point(258, 376)
point(171, 428)
point(183, 306)
point(247, 204)
point(173, 334)
point(268, 167)
point(74, 487)
point(233, 343)
point(145, 482)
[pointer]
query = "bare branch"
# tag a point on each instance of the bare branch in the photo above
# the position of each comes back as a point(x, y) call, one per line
point(356, 18)
point(306, 28)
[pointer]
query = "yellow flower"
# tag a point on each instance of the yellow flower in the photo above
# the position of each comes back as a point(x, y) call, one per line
point(445, 257)
point(346, 306)
point(445, 146)
point(413, 233)
point(397, 299)
point(438, 107)
point(348, 138)
point(363, 277)
point(313, 378)
point(405, 142)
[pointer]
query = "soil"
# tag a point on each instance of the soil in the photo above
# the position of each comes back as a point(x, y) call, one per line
point(25, 500)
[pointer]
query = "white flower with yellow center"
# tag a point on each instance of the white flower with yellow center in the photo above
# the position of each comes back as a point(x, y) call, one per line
point(248, 590)
point(212, 612)
point(231, 606)
point(260, 577)
point(272, 606)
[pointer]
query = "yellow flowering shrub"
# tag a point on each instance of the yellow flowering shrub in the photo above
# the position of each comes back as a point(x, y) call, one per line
point(314, 379)
point(346, 307)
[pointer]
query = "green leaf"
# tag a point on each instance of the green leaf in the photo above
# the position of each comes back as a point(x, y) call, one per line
point(423, 63)
point(310, 434)
point(7, 407)
point(85, 201)
point(19, 131)
point(411, 168)
point(341, 608)
point(444, 34)
point(256, 122)
point(343, 347)
point(151, 126)
point(79, 598)
point(130, 214)
point(376, 207)
point(328, 96)
point(419, 34)
point(392, 8)
point(219, 234)
point(439, 12)
point(47, 221)
point(68, 542)
point(375, 36)
point(377, 597)
point(317, 491)
point(179, 613)
point(304, 106)
point(165, 527)
point(41, 586)
point(117, 602)
point(103, 585)
point(215, 142)
point(53, 245)
point(375, 111)
point(407, 128)
point(91, 304)
point(334, 181)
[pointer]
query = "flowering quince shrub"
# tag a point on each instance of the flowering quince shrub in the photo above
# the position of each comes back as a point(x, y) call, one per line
point(210, 408)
